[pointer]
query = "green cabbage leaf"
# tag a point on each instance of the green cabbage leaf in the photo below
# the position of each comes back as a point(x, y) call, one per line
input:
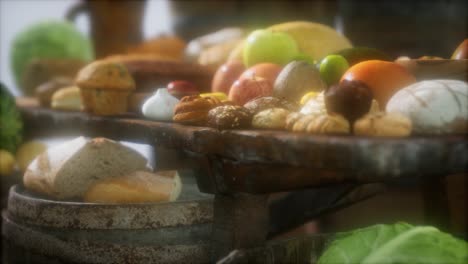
point(395, 244)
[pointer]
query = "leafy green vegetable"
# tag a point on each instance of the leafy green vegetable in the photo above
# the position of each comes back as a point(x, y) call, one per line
point(49, 39)
point(394, 244)
point(11, 124)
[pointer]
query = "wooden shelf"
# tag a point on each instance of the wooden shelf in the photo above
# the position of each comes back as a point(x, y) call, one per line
point(258, 161)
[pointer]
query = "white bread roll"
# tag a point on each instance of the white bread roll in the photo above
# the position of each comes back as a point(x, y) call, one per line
point(67, 170)
point(434, 107)
point(137, 187)
point(67, 98)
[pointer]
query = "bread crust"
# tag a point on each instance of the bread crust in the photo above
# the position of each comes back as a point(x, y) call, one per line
point(137, 187)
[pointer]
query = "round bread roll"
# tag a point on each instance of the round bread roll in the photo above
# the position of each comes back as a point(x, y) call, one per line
point(273, 118)
point(434, 107)
point(67, 98)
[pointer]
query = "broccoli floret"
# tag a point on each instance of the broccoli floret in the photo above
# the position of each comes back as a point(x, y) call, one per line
point(11, 124)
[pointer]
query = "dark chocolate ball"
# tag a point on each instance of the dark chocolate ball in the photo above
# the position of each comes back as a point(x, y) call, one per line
point(352, 99)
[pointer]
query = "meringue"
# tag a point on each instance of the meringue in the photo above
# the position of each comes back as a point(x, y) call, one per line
point(160, 106)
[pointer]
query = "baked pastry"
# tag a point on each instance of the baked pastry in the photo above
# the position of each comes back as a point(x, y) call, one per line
point(434, 107)
point(136, 187)
point(45, 91)
point(67, 171)
point(291, 119)
point(67, 98)
point(273, 118)
point(320, 124)
point(262, 103)
point(193, 110)
point(229, 116)
point(383, 125)
point(105, 87)
point(160, 106)
point(315, 105)
point(151, 71)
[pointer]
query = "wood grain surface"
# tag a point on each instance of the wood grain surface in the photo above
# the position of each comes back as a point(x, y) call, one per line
point(259, 161)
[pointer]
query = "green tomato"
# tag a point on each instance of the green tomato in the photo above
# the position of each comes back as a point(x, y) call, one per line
point(268, 46)
point(332, 68)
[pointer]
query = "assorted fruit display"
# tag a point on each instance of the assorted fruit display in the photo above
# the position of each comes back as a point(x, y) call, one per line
point(298, 76)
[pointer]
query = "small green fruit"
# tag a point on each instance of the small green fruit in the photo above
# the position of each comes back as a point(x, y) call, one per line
point(332, 68)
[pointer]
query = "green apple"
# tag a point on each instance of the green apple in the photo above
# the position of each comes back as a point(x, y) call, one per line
point(269, 46)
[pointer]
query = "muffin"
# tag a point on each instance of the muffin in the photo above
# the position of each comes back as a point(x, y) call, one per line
point(105, 87)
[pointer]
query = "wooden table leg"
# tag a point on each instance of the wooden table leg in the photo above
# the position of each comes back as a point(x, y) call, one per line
point(436, 207)
point(240, 221)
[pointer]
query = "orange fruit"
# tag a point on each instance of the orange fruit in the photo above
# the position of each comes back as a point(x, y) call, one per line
point(384, 78)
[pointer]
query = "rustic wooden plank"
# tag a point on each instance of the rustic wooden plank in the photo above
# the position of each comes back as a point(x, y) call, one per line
point(239, 221)
point(256, 155)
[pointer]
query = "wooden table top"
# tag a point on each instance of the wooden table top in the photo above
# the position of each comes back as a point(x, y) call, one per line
point(259, 161)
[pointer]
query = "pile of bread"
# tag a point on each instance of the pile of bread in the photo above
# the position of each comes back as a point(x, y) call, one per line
point(99, 170)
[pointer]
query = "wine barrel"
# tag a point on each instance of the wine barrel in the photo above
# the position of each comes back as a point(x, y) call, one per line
point(38, 230)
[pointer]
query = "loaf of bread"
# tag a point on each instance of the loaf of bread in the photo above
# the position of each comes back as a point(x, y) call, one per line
point(67, 171)
point(136, 187)
point(434, 107)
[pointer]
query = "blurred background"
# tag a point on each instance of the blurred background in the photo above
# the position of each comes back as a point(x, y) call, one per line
point(411, 28)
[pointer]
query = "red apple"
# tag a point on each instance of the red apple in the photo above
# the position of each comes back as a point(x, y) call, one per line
point(180, 89)
point(268, 71)
point(244, 90)
point(226, 75)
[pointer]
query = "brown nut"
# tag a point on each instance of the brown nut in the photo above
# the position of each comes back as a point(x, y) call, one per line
point(273, 118)
point(383, 125)
point(352, 99)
